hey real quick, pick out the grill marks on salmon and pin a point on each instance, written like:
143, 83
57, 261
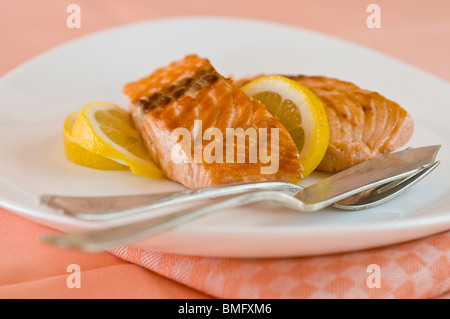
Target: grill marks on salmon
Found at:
189, 90
363, 124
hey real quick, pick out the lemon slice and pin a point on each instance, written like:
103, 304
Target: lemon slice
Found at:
81, 156
301, 113
107, 130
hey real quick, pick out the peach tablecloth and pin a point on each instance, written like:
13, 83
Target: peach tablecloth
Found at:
416, 32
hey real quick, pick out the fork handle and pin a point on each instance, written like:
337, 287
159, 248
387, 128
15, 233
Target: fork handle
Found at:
109, 207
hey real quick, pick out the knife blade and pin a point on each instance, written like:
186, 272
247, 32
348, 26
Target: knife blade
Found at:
367, 175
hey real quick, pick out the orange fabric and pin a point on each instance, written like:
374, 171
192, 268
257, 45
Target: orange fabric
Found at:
31, 269
413, 31
416, 32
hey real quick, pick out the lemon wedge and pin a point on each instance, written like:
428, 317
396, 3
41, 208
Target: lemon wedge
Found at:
81, 156
107, 130
301, 113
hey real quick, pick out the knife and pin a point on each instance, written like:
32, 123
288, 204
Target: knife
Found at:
361, 177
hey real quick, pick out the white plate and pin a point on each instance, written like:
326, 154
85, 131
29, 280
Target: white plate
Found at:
37, 96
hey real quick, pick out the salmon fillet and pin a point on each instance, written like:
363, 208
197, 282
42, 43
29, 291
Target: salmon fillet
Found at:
190, 95
363, 124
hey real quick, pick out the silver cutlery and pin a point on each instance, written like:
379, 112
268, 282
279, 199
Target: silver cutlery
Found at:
109, 207
394, 172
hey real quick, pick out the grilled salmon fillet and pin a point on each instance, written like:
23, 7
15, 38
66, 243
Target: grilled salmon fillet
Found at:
188, 92
363, 124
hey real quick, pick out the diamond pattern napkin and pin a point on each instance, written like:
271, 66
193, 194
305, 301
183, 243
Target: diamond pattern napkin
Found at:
416, 269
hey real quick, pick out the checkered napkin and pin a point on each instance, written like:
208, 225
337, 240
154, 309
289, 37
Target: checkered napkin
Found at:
416, 269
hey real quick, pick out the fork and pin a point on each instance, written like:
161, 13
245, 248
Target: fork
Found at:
103, 239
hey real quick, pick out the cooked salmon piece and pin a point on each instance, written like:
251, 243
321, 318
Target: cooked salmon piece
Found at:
363, 124
190, 96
